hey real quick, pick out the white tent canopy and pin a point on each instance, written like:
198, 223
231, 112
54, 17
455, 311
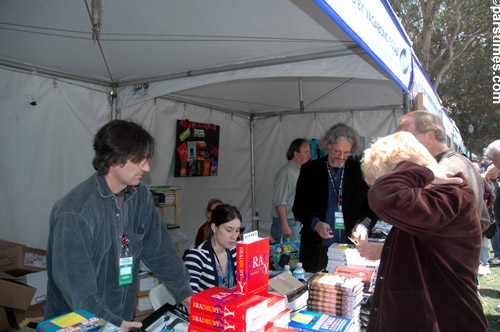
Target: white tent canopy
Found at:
243, 65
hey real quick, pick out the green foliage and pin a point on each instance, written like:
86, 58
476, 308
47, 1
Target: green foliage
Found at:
457, 60
490, 296
467, 93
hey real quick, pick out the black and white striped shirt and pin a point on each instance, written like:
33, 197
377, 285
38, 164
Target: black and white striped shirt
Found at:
201, 264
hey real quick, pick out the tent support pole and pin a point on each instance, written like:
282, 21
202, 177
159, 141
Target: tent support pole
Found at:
114, 114
406, 103
255, 214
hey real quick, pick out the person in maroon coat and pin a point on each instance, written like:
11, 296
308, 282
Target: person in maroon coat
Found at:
427, 275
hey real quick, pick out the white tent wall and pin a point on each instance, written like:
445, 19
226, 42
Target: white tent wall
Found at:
233, 184
46, 149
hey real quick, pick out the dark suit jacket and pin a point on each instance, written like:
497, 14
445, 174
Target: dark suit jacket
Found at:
311, 200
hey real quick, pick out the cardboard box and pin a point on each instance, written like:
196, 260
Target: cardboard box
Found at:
17, 259
14, 294
284, 283
37, 280
143, 306
145, 283
4, 323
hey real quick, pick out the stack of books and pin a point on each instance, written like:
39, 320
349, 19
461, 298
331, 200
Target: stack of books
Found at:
340, 254
335, 295
164, 194
248, 307
222, 309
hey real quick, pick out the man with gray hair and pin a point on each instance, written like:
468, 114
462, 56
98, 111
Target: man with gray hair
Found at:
429, 130
331, 198
492, 152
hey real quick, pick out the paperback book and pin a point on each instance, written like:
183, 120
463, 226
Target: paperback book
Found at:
312, 321
79, 320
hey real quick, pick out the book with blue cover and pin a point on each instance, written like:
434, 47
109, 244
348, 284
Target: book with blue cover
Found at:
312, 321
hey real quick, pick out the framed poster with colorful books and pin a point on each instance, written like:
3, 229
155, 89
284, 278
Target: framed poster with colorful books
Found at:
197, 149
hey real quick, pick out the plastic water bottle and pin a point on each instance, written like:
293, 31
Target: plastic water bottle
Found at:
287, 268
299, 272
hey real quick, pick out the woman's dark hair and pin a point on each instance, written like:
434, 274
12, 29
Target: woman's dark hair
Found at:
294, 147
221, 215
119, 141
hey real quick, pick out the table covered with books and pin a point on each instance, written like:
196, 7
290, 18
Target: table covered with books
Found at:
337, 299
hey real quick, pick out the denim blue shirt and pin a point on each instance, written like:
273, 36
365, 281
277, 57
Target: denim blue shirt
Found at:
86, 229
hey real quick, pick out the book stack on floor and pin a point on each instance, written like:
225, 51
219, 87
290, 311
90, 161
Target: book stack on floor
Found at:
248, 307
341, 254
336, 295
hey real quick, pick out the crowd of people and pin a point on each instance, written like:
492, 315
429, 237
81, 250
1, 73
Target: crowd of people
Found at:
440, 206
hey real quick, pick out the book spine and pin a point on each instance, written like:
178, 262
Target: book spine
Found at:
216, 322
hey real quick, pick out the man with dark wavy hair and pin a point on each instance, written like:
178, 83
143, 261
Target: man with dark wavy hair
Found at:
104, 227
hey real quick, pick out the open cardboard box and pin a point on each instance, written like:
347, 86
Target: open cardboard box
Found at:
14, 294
295, 291
284, 283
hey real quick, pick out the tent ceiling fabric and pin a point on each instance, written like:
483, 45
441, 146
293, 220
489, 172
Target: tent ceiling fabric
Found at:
319, 94
169, 40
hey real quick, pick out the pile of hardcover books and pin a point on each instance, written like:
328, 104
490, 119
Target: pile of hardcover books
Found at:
340, 254
247, 308
336, 295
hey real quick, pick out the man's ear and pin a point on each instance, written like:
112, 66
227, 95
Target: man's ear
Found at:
431, 135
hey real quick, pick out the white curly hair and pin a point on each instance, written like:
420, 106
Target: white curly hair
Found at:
387, 152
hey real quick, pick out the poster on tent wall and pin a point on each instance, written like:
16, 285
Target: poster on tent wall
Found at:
197, 146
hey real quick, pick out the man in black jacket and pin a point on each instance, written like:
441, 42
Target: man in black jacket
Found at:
331, 198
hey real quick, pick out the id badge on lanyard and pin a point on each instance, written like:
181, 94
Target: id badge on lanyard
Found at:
339, 219
126, 263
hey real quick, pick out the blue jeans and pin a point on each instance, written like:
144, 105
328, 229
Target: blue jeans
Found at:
295, 227
485, 251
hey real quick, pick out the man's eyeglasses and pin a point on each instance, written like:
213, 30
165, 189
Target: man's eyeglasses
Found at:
342, 153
